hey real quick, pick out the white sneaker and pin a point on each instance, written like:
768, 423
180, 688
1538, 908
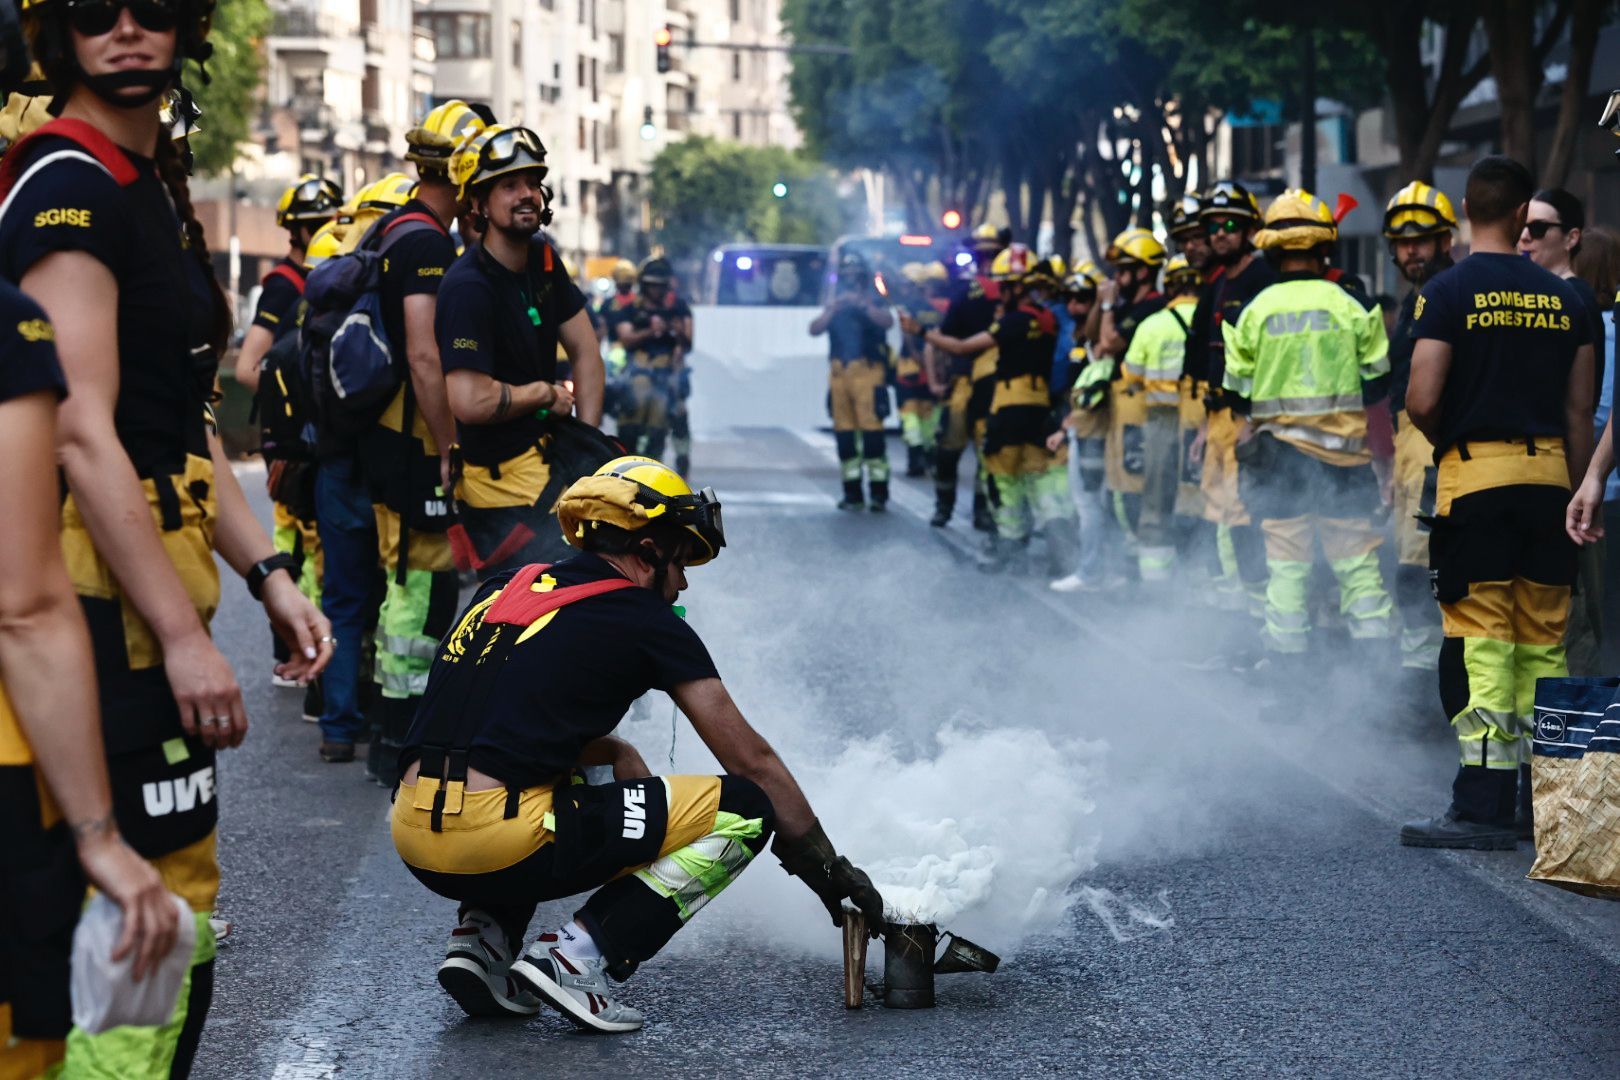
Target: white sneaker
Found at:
284, 683
576, 988
477, 971
1065, 584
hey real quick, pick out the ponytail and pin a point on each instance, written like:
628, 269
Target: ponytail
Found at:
172, 170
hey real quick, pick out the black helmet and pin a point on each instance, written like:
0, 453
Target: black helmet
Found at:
656, 271
850, 264
1228, 198
1184, 214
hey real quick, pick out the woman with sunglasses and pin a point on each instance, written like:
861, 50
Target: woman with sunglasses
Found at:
99, 220
1552, 239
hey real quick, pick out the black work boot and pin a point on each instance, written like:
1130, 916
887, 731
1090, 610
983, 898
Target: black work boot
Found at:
1524, 822
683, 464
1480, 817
916, 462
984, 519
879, 492
853, 499
944, 507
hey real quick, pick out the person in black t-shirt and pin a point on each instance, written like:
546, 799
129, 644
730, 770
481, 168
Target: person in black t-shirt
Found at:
1501, 384
303, 208
527, 689
53, 779
972, 308
405, 456
856, 322
507, 304
1031, 480
655, 330
1418, 224
99, 230
1231, 216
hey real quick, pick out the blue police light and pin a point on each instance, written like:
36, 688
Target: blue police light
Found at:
745, 262
964, 258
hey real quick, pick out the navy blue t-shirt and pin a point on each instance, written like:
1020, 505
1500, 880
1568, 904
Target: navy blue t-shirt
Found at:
572, 681
27, 348
1513, 329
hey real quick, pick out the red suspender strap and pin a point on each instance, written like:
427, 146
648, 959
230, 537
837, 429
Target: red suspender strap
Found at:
520, 605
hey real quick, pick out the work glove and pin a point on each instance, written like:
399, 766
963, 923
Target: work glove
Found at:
831, 876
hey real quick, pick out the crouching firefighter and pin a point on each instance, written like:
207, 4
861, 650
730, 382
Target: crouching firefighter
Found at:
504, 307
541, 666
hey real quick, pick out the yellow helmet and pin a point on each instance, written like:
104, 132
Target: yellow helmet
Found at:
1184, 214
432, 143
1012, 263
1296, 220
624, 272
496, 151
1179, 273
987, 238
1084, 280
311, 198
391, 192
631, 493
1418, 210
1049, 271
22, 115
327, 242
1136, 246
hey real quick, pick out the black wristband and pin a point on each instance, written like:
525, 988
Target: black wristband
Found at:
265, 567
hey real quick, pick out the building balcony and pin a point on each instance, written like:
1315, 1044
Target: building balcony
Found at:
304, 23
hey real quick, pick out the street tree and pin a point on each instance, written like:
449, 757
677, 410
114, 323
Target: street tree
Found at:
234, 74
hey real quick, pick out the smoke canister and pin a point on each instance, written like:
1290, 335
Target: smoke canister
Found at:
908, 965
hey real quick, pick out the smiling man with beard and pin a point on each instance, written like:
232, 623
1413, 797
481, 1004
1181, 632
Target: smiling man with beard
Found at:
504, 307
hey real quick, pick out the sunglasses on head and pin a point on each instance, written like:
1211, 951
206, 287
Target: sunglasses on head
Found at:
1224, 225
1538, 229
92, 18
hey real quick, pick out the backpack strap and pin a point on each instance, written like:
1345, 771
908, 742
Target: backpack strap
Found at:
287, 274
94, 147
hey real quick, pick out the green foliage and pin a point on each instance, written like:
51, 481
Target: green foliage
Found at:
234, 71
706, 192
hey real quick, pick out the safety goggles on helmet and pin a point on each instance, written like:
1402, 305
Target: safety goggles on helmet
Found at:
92, 18
699, 513
505, 146
1229, 226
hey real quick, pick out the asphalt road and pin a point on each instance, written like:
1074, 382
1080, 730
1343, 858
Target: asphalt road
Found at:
1278, 931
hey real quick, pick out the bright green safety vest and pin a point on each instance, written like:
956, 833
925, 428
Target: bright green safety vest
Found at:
1158, 351
1302, 349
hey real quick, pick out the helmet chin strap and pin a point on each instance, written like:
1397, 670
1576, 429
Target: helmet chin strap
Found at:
111, 86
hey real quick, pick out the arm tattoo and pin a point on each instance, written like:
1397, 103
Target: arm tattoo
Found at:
85, 829
505, 404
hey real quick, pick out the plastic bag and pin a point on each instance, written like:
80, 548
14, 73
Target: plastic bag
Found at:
104, 994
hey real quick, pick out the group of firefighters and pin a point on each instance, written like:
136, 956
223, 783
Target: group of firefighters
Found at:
430, 384
1245, 422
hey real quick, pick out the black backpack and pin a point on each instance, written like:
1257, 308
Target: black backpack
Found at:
284, 403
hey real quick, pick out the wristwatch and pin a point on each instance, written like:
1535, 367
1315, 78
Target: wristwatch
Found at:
265, 567
1109, 305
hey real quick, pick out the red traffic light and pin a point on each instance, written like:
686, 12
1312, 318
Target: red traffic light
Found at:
663, 37
951, 219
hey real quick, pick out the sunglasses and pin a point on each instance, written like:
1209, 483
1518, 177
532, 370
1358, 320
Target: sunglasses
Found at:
1224, 225
92, 18
505, 147
1539, 229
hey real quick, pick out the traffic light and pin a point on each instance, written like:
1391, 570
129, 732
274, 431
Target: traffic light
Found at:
951, 219
662, 39
649, 130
